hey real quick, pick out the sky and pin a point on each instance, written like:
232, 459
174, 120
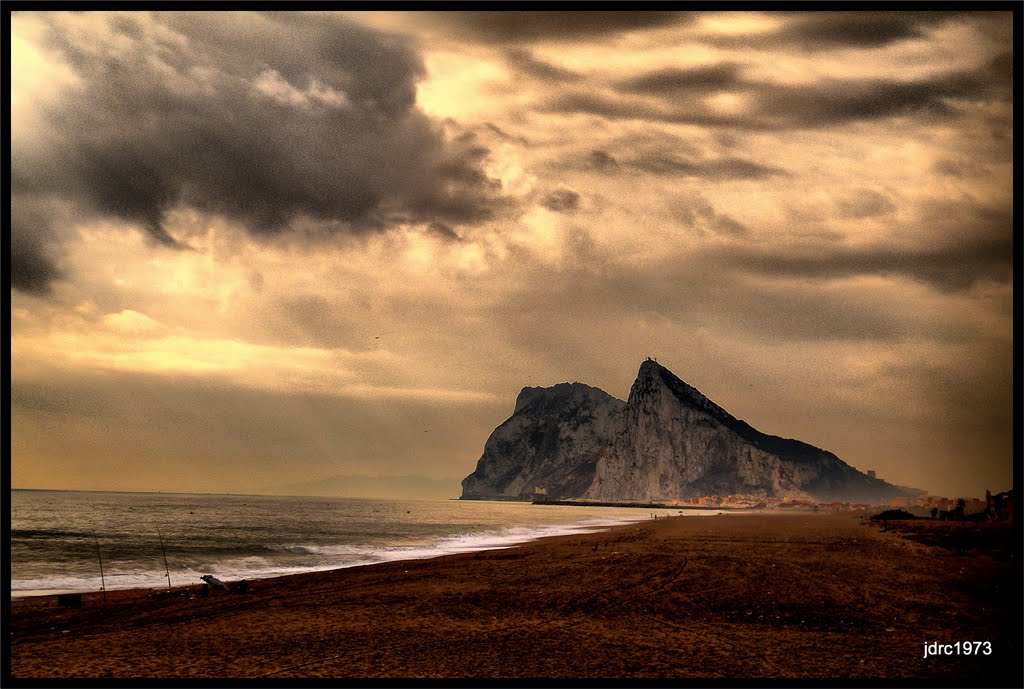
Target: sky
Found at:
321, 253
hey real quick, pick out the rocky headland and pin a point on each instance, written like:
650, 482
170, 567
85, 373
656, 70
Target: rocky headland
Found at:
666, 442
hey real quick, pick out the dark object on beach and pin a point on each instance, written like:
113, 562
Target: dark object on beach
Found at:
237, 587
164, 551
893, 514
214, 581
69, 600
99, 558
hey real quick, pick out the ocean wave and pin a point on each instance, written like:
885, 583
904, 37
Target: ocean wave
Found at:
309, 557
291, 542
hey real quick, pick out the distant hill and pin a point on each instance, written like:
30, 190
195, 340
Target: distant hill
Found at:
666, 442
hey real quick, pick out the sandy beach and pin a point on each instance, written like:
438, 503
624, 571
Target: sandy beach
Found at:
728, 596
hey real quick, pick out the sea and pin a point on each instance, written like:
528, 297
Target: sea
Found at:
77, 541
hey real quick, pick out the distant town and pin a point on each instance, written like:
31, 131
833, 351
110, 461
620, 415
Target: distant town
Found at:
998, 506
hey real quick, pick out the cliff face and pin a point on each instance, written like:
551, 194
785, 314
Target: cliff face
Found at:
668, 441
553, 440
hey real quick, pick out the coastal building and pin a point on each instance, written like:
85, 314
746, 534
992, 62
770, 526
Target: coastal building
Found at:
999, 506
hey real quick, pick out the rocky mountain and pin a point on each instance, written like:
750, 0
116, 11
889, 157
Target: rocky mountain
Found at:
666, 442
554, 438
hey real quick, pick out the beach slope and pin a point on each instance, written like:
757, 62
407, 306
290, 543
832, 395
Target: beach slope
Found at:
732, 595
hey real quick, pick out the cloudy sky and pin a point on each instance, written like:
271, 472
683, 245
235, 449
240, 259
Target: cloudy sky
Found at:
322, 253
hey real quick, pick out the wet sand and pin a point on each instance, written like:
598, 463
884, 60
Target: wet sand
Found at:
728, 596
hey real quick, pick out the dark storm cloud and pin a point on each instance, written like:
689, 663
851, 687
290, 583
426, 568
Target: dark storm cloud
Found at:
672, 81
660, 163
839, 101
723, 224
836, 30
973, 249
949, 268
32, 268
506, 27
264, 119
561, 201
670, 157
694, 211
960, 168
32, 262
602, 160
864, 203
443, 230
505, 136
1000, 70
524, 61
691, 209
606, 105
674, 96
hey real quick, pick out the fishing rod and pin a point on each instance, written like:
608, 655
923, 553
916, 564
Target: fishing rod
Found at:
103, 583
164, 551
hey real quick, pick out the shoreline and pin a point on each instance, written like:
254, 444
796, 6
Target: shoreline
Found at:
731, 595
573, 528
647, 505
174, 590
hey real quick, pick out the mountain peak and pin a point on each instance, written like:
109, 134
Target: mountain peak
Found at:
653, 374
558, 394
